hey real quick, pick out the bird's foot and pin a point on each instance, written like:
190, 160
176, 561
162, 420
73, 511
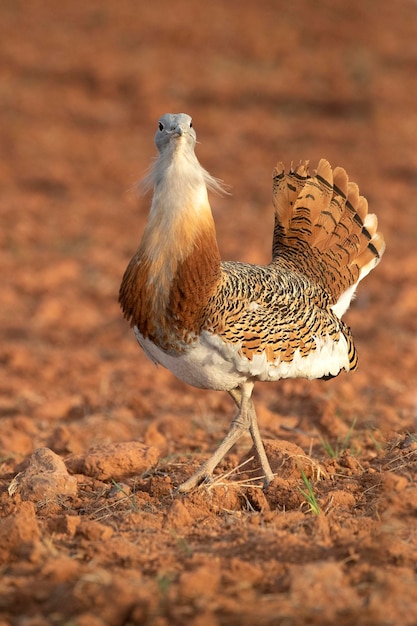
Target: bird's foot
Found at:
268, 478
201, 477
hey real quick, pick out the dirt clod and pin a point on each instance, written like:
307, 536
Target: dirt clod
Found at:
19, 533
114, 460
44, 478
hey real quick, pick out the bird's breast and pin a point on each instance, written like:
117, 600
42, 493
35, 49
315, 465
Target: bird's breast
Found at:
199, 364
166, 296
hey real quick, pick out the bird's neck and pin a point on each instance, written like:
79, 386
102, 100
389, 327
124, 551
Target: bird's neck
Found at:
180, 223
179, 213
178, 261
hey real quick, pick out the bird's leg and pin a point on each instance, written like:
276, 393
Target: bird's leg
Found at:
244, 421
240, 424
259, 446
256, 436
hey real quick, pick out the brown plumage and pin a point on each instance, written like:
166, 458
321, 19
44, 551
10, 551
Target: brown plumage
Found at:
226, 325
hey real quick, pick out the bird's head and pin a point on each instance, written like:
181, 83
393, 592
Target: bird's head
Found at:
175, 128
176, 164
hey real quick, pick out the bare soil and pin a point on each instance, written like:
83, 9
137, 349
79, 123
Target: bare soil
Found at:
94, 439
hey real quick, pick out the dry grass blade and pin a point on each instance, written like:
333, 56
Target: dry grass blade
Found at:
402, 460
221, 480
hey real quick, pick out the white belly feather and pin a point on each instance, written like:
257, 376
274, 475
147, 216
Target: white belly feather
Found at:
210, 363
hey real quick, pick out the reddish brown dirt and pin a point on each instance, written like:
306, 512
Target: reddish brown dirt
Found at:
91, 531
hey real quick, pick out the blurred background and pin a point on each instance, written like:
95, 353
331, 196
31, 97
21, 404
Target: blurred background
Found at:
82, 86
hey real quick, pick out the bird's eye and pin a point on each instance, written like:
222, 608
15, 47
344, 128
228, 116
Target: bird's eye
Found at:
191, 124
160, 126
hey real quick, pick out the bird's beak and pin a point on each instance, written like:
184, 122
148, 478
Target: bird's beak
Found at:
178, 131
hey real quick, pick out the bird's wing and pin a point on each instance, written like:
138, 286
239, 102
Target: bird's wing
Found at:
274, 312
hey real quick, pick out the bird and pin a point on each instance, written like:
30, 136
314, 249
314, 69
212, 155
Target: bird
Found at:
225, 325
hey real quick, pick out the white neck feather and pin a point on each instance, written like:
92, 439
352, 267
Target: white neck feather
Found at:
180, 214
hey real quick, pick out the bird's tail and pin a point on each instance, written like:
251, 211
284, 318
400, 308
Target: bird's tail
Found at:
323, 228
